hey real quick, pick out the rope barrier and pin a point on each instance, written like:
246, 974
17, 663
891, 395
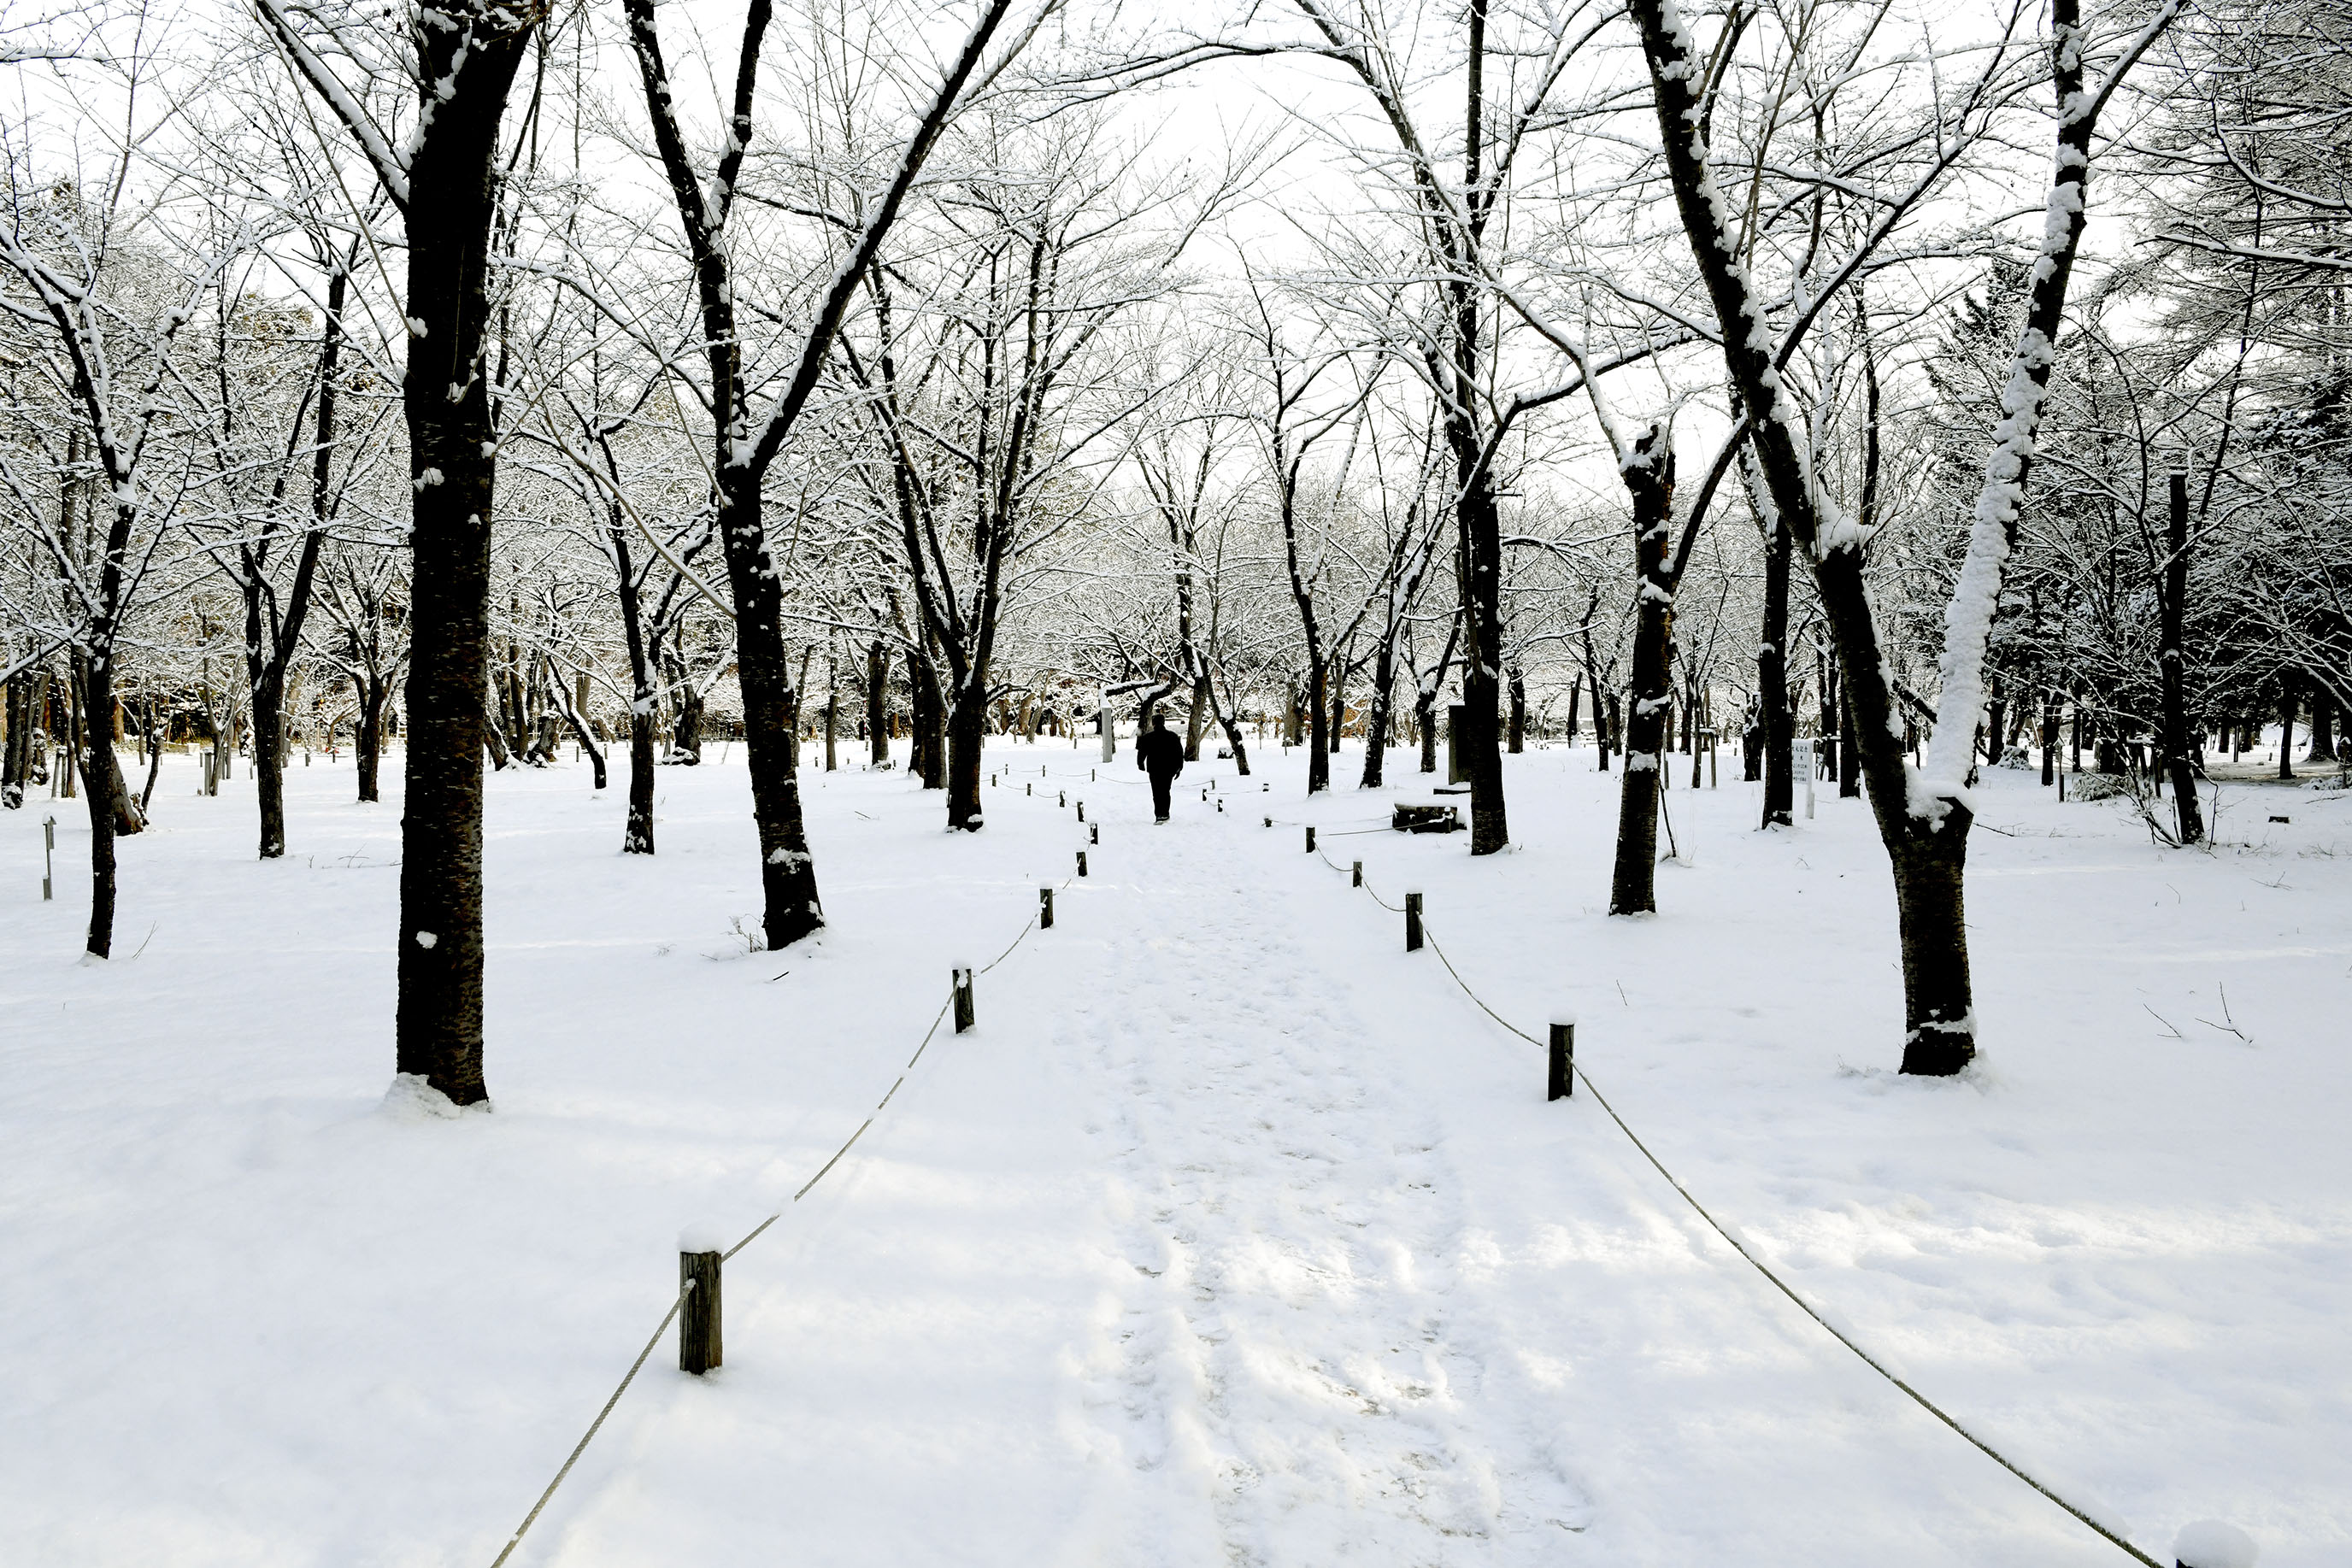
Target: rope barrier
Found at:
671, 1316
582, 1446
1430, 938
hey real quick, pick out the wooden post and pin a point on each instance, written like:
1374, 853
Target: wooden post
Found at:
1044, 909
1082, 862
1064, 801
961, 979
1412, 922
1562, 1082
1028, 788
1082, 810
1094, 832
1311, 839
1358, 879
1269, 822
48, 855
698, 1346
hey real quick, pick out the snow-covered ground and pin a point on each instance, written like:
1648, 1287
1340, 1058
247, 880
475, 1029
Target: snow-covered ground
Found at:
1232, 1235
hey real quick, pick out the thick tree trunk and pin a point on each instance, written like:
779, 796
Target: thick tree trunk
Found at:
269, 759
17, 758
637, 834
2322, 726
1319, 719
1518, 711
967, 732
770, 718
1650, 478
1196, 722
1482, 604
931, 725
104, 798
452, 178
1938, 1012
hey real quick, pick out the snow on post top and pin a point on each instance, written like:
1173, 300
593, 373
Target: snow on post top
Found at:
701, 1237
1566, 1015
2210, 1543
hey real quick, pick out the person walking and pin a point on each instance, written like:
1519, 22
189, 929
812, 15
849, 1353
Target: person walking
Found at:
1158, 753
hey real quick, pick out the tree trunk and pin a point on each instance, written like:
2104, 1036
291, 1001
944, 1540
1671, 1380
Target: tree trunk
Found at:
1650, 477
831, 716
637, 835
2188, 812
967, 732
368, 743
931, 725
17, 758
1319, 717
105, 798
2289, 704
1379, 716
770, 718
1482, 563
1196, 722
877, 704
1938, 1012
1518, 711
268, 755
2322, 726
1772, 680
1848, 756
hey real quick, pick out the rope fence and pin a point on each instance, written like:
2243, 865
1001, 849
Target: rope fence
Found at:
1726, 1232
1734, 1242
686, 1290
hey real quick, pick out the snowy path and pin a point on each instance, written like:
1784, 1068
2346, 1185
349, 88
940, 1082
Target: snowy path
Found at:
1233, 1235
1286, 1262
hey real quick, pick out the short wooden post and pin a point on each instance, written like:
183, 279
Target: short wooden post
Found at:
1044, 909
1094, 832
1028, 788
698, 1346
1412, 922
1269, 822
1090, 775
961, 979
1358, 879
1311, 839
1562, 1082
1082, 810
1082, 862
1063, 800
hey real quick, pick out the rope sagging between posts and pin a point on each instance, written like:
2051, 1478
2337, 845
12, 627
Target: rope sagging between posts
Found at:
1740, 1247
756, 1231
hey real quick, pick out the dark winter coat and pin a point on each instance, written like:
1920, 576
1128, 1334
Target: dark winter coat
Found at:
1158, 753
